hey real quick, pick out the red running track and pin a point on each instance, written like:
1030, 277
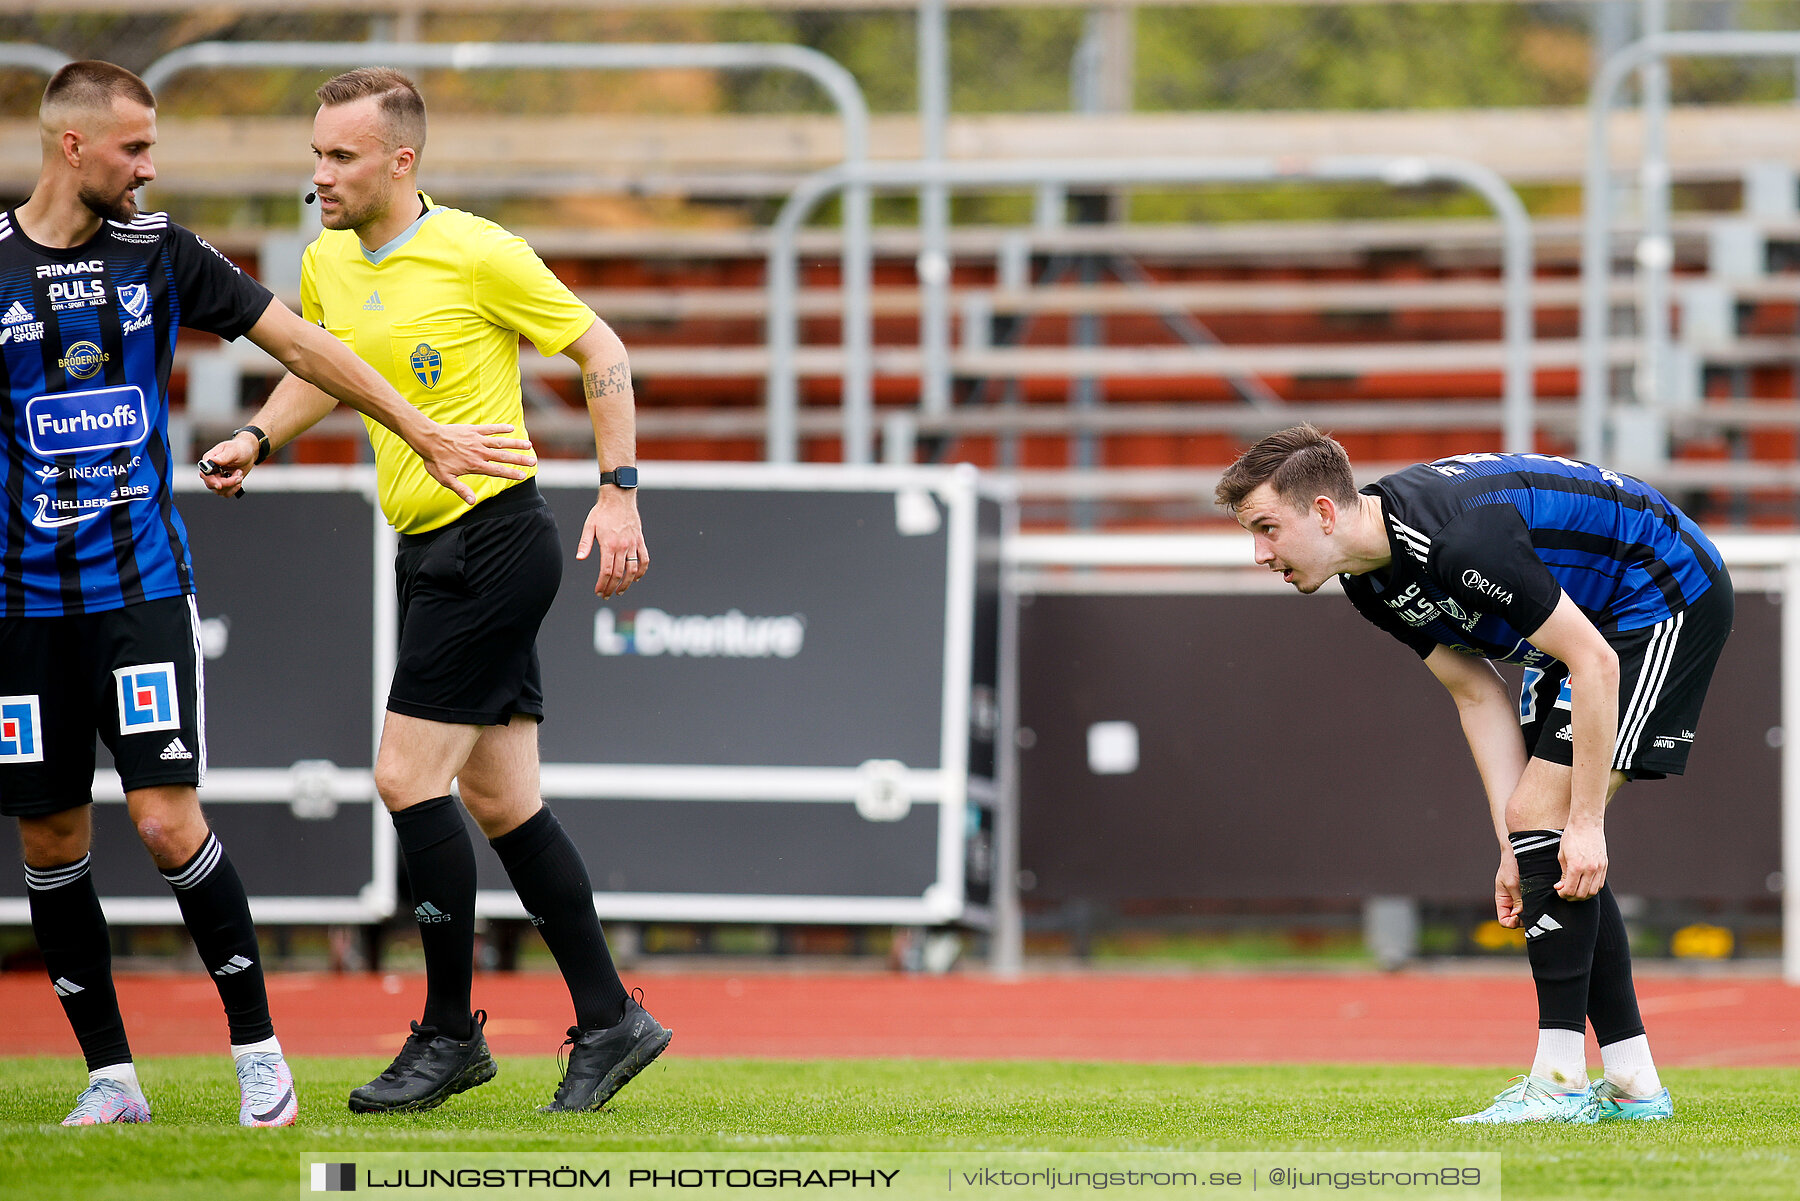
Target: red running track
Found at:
1102, 1016
1424, 1017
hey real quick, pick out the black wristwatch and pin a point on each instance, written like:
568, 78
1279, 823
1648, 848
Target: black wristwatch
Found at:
620, 477
262, 441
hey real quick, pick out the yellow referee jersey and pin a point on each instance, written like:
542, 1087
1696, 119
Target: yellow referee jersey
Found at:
438, 311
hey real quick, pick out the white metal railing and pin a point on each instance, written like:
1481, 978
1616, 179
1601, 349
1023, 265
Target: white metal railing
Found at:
860, 366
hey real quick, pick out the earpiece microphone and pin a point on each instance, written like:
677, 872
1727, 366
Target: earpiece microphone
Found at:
311, 197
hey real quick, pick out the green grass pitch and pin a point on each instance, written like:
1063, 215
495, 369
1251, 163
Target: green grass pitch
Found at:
1736, 1134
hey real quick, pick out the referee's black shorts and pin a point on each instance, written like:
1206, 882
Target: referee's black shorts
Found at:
1664, 671
472, 595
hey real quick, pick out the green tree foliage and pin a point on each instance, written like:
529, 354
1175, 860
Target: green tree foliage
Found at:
1358, 57
1249, 56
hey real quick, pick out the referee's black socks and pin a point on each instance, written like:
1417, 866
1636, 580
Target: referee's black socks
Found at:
217, 914
552, 883
440, 866
71, 935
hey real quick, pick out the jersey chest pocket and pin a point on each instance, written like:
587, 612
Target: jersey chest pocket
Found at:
433, 359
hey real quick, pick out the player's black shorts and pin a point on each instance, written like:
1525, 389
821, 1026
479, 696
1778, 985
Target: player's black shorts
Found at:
1664, 671
132, 675
472, 595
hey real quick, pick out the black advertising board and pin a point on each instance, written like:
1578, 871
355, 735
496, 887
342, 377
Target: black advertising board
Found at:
778, 723
1287, 750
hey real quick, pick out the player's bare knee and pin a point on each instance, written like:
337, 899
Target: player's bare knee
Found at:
162, 836
397, 787
497, 815
54, 840
171, 829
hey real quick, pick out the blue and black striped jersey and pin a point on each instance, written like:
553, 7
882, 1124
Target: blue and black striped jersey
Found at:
87, 342
1484, 546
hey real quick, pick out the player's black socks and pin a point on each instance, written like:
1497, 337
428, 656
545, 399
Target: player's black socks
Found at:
1612, 999
552, 882
440, 864
217, 914
71, 934
1559, 934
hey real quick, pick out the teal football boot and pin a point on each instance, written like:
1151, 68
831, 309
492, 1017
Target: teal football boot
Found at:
1528, 1099
1607, 1103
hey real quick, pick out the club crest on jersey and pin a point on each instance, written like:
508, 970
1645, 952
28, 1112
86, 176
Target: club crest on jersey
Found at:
147, 698
21, 733
134, 298
427, 364
83, 360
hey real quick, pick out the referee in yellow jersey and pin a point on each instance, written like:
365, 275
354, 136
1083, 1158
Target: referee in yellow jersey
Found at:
436, 299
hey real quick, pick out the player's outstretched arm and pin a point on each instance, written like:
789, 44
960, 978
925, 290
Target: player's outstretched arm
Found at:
612, 524
448, 451
1491, 725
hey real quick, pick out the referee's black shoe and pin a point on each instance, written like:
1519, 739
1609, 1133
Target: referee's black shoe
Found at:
601, 1062
429, 1070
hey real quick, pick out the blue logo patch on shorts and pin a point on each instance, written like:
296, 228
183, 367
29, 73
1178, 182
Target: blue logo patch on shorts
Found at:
427, 364
67, 423
1528, 695
147, 698
21, 732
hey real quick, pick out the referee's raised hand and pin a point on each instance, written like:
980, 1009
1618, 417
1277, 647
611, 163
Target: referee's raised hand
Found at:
449, 451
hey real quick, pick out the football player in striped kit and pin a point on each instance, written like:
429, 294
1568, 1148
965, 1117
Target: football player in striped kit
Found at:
98, 629
1617, 606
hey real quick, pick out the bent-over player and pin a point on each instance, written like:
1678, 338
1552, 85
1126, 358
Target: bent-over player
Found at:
1616, 605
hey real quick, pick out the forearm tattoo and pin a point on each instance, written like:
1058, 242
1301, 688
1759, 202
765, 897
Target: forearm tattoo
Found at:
615, 379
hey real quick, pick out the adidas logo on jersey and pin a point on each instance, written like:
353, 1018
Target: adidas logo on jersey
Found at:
234, 965
20, 324
373, 303
177, 750
1544, 925
66, 987
428, 912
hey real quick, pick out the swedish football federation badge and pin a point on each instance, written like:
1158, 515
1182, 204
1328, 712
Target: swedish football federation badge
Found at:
427, 364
